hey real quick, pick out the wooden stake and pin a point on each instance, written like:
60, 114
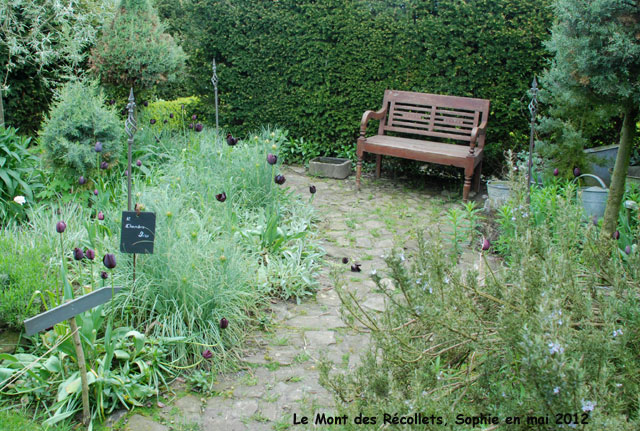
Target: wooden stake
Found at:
86, 413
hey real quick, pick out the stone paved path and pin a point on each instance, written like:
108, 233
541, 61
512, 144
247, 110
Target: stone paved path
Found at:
361, 226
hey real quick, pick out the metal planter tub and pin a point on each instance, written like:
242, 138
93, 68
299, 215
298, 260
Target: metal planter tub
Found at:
499, 192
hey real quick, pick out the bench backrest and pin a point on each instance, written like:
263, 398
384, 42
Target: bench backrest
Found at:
433, 115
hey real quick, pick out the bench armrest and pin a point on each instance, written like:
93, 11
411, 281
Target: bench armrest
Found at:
376, 115
478, 133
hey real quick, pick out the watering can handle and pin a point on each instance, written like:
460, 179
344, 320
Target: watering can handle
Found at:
592, 176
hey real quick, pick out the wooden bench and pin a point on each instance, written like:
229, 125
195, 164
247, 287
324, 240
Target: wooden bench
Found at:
428, 127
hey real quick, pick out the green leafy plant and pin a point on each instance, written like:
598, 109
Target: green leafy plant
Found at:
134, 51
549, 333
76, 123
17, 175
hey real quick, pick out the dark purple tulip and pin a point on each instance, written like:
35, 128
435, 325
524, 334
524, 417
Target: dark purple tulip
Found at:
221, 197
165, 121
224, 323
78, 254
356, 267
272, 159
191, 125
345, 260
82, 180
100, 215
171, 115
485, 244
138, 162
194, 117
112, 102
109, 260
61, 226
312, 190
126, 172
95, 192
152, 121
231, 140
627, 250
207, 354
279, 179
576, 172
104, 275
145, 103
104, 165
616, 235
556, 172
98, 147
198, 127
90, 254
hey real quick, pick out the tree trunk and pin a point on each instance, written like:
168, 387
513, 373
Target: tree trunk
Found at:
616, 190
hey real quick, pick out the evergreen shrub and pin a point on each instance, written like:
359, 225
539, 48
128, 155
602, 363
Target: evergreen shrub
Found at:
78, 120
315, 67
551, 332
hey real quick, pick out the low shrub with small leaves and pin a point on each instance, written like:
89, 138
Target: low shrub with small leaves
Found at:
552, 334
79, 120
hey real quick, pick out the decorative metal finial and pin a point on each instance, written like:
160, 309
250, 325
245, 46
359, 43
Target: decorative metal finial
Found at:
533, 108
214, 78
533, 105
131, 125
214, 81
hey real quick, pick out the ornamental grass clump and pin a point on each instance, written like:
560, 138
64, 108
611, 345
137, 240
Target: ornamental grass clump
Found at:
209, 267
549, 332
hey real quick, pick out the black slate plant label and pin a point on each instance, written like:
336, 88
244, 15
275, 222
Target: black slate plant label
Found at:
138, 232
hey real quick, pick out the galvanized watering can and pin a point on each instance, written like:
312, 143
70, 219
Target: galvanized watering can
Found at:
594, 198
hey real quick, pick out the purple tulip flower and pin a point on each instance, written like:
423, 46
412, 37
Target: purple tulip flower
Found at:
312, 190
104, 165
356, 267
138, 162
207, 354
279, 179
100, 215
104, 275
556, 172
61, 226
171, 115
78, 254
345, 260
194, 117
272, 159
627, 250
152, 121
198, 127
109, 260
485, 244
224, 323
90, 253
616, 235
576, 172
95, 192
221, 197
82, 180
98, 147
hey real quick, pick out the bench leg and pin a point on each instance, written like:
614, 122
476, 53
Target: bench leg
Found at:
378, 164
476, 178
468, 174
358, 172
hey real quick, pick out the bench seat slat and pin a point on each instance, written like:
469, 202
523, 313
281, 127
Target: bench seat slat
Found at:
435, 134
391, 145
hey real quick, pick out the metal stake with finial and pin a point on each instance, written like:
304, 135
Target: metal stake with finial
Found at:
130, 126
533, 108
214, 81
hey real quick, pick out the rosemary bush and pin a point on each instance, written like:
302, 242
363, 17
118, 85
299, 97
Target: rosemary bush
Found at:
555, 331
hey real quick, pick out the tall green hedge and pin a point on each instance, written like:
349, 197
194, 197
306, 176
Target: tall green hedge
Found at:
315, 66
